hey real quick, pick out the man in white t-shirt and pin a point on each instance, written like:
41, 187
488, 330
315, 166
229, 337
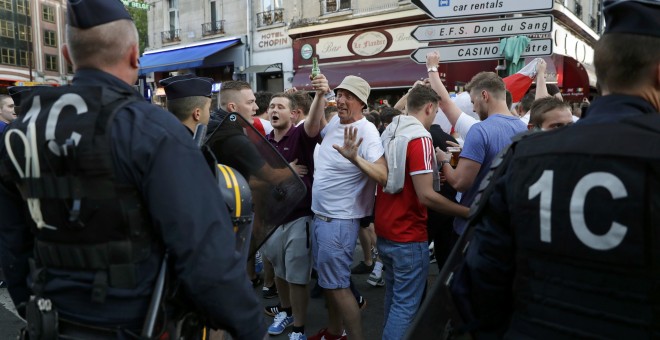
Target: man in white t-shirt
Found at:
342, 194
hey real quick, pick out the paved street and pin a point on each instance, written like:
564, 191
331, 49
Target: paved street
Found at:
372, 315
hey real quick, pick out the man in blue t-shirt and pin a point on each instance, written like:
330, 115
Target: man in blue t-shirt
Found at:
484, 140
7, 113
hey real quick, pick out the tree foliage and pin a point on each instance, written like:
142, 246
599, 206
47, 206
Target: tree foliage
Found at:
140, 17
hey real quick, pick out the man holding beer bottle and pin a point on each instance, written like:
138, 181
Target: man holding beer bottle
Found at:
288, 248
343, 193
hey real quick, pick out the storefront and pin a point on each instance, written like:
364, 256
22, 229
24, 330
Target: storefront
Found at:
380, 55
220, 59
272, 62
577, 78
380, 52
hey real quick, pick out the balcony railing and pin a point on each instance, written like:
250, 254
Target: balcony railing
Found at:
578, 10
593, 23
213, 28
332, 6
270, 17
170, 36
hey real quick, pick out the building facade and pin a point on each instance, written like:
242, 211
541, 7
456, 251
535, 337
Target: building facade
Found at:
224, 40
31, 37
271, 43
372, 39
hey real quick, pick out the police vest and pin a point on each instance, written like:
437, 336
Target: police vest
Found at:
585, 214
61, 158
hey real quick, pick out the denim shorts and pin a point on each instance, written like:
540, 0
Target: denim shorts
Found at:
333, 242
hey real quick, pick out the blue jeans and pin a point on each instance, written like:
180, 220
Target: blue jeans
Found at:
405, 268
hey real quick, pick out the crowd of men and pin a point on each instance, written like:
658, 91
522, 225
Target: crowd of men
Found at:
100, 199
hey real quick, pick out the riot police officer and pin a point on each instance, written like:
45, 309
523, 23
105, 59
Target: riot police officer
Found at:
566, 238
112, 183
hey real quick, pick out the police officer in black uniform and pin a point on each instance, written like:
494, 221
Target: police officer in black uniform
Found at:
17, 93
112, 183
189, 99
566, 242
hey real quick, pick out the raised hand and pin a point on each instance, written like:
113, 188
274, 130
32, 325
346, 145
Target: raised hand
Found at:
351, 144
320, 84
432, 59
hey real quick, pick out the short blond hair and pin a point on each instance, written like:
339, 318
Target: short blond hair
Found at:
488, 81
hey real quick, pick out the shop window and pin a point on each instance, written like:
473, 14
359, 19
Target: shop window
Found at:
50, 38
7, 29
8, 56
48, 13
51, 62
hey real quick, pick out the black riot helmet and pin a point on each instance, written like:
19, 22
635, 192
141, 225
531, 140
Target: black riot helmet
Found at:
238, 198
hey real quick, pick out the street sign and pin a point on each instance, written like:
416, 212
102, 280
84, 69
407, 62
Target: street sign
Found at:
479, 51
482, 29
443, 9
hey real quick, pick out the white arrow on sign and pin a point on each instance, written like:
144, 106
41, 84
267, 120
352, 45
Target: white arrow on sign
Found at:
442, 9
485, 28
479, 51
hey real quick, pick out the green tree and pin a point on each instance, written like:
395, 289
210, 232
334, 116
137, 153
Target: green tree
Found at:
139, 15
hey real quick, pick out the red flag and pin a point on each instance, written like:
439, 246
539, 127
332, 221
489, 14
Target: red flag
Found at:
518, 84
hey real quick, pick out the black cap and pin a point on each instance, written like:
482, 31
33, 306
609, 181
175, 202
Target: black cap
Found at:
641, 17
187, 85
89, 13
18, 92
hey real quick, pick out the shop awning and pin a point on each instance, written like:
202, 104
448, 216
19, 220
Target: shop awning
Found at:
263, 68
390, 73
181, 58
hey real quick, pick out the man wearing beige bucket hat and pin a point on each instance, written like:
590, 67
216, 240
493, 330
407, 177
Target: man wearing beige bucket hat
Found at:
343, 193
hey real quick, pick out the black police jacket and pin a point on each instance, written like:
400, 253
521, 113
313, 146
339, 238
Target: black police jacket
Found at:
566, 245
152, 152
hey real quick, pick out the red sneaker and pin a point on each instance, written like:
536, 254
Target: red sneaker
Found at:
324, 335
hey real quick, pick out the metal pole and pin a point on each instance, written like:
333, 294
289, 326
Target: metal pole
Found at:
28, 21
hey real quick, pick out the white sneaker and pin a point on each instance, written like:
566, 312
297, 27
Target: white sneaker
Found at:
297, 336
280, 323
376, 280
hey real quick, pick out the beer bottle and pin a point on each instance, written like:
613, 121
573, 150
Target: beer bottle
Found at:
330, 96
315, 69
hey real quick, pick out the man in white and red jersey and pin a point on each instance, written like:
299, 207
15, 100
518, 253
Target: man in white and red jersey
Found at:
401, 209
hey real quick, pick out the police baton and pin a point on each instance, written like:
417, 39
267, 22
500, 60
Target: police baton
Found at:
156, 297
